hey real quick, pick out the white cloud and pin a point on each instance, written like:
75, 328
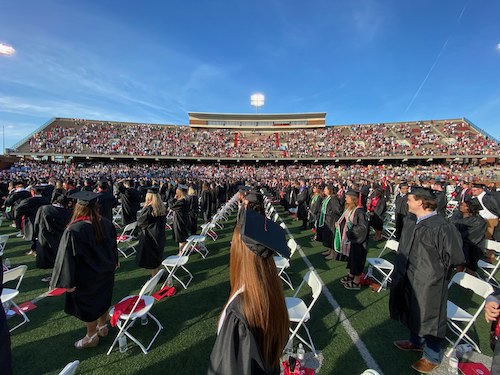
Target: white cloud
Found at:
6, 50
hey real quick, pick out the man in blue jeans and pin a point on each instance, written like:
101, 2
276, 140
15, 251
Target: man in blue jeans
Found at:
428, 249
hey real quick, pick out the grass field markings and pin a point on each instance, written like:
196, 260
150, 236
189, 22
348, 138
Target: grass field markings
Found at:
351, 332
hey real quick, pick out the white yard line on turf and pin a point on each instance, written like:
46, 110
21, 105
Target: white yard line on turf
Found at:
360, 345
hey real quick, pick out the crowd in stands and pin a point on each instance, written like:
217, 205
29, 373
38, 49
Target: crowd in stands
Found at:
373, 140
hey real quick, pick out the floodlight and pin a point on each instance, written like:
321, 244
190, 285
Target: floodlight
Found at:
257, 100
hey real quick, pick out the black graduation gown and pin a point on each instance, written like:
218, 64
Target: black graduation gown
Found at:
491, 200
419, 288
473, 230
5, 353
50, 222
131, 203
236, 350
193, 213
400, 211
332, 215
206, 205
302, 204
29, 207
106, 202
89, 267
181, 224
376, 220
151, 239
357, 235
441, 202
315, 209
12, 201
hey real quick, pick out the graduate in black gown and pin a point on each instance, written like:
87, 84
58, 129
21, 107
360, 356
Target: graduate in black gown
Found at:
401, 209
193, 209
206, 202
85, 266
106, 200
131, 202
253, 327
472, 228
355, 227
328, 215
151, 223
50, 223
28, 208
181, 224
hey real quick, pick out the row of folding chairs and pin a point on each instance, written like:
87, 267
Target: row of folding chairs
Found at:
299, 312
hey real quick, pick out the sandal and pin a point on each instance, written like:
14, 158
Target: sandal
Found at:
346, 279
326, 252
330, 257
91, 342
351, 285
102, 331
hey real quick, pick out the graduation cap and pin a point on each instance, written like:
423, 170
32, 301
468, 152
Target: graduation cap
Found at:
182, 187
473, 202
38, 189
153, 189
244, 189
423, 192
355, 194
403, 184
254, 196
85, 198
263, 236
103, 184
478, 185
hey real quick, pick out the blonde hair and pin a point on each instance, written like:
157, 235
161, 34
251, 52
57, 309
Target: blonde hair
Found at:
263, 300
179, 194
158, 206
191, 191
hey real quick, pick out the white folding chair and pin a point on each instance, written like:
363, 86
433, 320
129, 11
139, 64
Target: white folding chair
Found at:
283, 225
490, 269
126, 242
456, 314
299, 312
198, 245
383, 266
388, 231
70, 368
127, 321
173, 262
283, 263
451, 207
8, 294
3, 242
117, 216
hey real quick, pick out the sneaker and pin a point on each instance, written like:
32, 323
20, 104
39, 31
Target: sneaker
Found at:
47, 279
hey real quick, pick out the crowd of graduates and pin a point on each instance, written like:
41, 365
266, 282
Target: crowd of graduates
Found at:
64, 219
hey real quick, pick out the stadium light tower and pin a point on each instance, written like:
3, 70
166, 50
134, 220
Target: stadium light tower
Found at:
257, 100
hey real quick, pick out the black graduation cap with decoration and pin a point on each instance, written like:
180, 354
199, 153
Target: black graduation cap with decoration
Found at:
263, 236
85, 198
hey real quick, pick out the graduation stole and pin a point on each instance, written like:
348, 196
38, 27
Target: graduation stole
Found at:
314, 199
80, 218
345, 245
323, 211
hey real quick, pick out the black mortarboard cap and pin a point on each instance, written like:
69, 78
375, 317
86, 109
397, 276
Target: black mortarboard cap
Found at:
478, 185
39, 189
353, 193
423, 192
85, 198
103, 184
153, 189
263, 236
403, 184
254, 197
244, 189
473, 203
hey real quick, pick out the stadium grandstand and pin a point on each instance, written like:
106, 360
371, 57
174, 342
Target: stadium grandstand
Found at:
286, 138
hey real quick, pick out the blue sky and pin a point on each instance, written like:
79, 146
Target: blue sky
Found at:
362, 61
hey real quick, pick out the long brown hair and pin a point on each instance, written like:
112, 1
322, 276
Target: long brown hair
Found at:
94, 217
263, 300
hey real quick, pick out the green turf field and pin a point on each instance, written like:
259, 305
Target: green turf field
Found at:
45, 344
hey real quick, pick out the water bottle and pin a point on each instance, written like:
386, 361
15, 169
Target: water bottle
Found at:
169, 281
289, 349
122, 343
6, 262
300, 352
144, 320
453, 361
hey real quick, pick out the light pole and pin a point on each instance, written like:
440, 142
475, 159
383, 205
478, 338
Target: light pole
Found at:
257, 100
